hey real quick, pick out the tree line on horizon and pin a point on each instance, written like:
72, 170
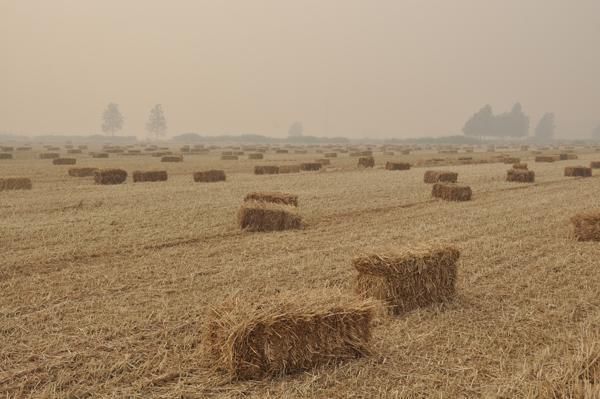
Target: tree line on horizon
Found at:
112, 120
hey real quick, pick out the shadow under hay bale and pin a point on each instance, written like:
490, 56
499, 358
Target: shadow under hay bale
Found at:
6, 156
256, 156
578, 171
64, 161
150, 176
275, 198
310, 166
586, 226
288, 333
520, 175
451, 192
15, 183
209, 176
408, 279
110, 176
171, 159
261, 216
397, 166
366, 162
440, 176
289, 169
82, 172
266, 170
520, 166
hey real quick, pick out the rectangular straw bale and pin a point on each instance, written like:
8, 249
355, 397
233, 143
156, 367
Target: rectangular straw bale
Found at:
170, 158
64, 161
15, 183
100, 155
366, 162
586, 226
397, 165
520, 175
4, 155
110, 176
266, 170
436, 176
49, 155
288, 333
82, 172
310, 166
545, 158
209, 176
74, 151
578, 171
150, 176
256, 155
331, 155
408, 279
289, 168
595, 164
262, 216
276, 198
451, 192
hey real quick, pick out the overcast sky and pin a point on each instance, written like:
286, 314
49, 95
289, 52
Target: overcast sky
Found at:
358, 68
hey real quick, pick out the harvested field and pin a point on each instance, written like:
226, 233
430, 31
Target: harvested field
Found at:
149, 176
273, 197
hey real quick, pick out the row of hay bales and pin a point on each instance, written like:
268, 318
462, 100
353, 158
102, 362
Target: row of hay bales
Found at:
281, 169
119, 176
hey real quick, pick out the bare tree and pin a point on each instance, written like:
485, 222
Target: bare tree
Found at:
545, 127
296, 130
157, 124
112, 120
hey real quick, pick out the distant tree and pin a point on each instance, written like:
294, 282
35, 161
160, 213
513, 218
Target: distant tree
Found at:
112, 120
157, 124
545, 127
296, 130
508, 124
481, 123
596, 132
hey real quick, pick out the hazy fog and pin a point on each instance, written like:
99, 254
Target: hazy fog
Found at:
357, 68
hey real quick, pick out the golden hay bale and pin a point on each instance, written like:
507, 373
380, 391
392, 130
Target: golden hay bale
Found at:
49, 155
261, 216
257, 155
82, 172
586, 226
567, 156
288, 333
209, 176
595, 164
578, 171
171, 159
324, 161
397, 166
6, 156
520, 175
451, 192
276, 198
545, 158
100, 155
436, 176
310, 166
520, 165
289, 168
110, 176
366, 162
64, 161
408, 279
15, 183
266, 170
331, 155
150, 176
509, 160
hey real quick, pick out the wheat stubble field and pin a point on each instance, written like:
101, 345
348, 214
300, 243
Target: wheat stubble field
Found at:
105, 290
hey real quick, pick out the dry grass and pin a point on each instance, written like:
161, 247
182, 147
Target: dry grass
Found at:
273, 197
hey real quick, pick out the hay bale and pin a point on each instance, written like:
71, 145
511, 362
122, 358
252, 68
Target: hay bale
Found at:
110, 176
287, 333
281, 151
331, 155
256, 155
82, 172
5, 148
64, 161
408, 279
451, 192
397, 166
74, 151
24, 148
545, 158
324, 161
310, 166
366, 162
520, 165
49, 155
171, 159
511, 160
266, 170
6, 156
520, 175
209, 176
100, 155
15, 183
275, 198
289, 168
586, 226
578, 171
261, 216
149, 176
436, 176
595, 164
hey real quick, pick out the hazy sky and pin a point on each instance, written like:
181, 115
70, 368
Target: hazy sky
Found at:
359, 68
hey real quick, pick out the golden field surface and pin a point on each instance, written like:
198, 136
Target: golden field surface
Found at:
105, 290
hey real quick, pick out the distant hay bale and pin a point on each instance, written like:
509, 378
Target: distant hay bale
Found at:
289, 168
578, 171
281, 151
266, 170
288, 333
209, 176
310, 166
586, 226
366, 162
100, 155
257, 155
150, 176
331, 155
261, 216
437, 176
595, 164
451, 192
110, 176
511, 160
15, 183
5, 148
567, 156
324, 161
169, 158
49, 155
64, 161
397, 166
82, 172
4, 155
408, 279
74, 151
545, 158
520, 165
272, 197
24, 148
520, 175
